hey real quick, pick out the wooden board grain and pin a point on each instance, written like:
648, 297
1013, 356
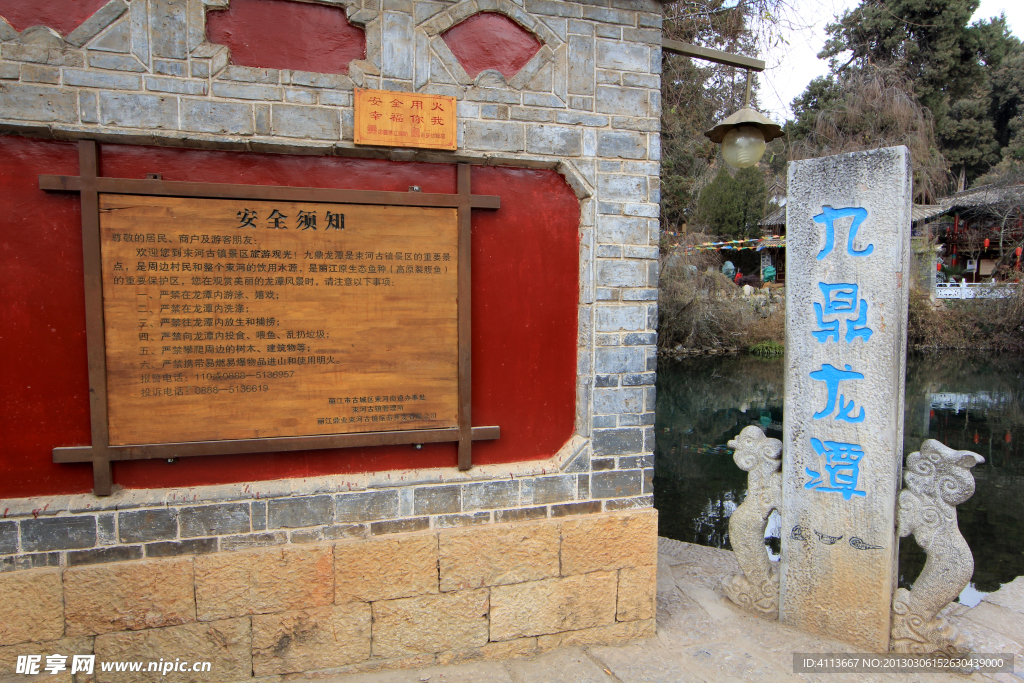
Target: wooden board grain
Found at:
210, 335
401, 119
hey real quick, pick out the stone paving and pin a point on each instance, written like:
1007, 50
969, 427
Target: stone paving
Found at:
704, 638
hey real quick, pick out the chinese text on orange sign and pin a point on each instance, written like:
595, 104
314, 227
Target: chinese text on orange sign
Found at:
400, 119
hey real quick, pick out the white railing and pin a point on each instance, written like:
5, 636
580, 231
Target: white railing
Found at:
980, 290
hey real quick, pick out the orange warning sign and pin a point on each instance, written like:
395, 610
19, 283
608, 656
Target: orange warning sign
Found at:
401, 119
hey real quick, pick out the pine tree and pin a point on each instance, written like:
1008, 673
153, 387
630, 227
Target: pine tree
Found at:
949, 63
732, 206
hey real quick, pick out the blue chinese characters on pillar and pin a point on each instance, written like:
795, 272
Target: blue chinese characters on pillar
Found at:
828, 216
842, 468
841, 302
832, 376
841, 299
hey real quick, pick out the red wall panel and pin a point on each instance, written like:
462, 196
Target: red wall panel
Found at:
525, 297
489, 40
277, 34
64, 16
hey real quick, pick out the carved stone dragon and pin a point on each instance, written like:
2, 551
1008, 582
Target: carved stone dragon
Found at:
937, 479
756, 588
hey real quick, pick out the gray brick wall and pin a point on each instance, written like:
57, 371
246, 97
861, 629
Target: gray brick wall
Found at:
588, 105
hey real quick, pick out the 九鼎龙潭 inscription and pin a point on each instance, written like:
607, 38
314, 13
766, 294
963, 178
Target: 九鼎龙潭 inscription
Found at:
237, 319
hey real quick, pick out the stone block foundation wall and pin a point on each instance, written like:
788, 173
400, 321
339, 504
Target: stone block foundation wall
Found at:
410, 599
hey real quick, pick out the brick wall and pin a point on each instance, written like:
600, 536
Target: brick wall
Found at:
587, 104
258, 576
410, 600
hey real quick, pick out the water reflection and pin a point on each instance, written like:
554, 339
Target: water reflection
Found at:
970, 403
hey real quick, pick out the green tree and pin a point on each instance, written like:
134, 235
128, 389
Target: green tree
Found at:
720, 209
752, 195
948, 62
732, 206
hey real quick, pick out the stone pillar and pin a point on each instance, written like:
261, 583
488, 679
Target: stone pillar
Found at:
848, 267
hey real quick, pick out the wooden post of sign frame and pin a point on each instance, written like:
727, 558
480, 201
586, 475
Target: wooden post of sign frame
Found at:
89, 184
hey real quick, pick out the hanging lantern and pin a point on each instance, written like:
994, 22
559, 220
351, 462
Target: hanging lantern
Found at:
976, 438
1017, 252
1008, 438
931, 415
938, 267
744, 134
986, 243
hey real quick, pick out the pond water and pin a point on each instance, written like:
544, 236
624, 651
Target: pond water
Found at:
967, 402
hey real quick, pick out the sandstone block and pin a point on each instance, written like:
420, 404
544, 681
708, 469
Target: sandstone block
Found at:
618, 441
378, 665
623, 56
430, 623
600, 635
38, 103
619, 483
618, 401
134, 110
206, 116
366, 505
624, 101
509, 649
260, 581
547, 490
295, 121
306, 640
637, 592
494, 136
609, 542
498, 555
224, 644
65, 646
491, 494
155, 524
128, 596
385, 568
560, 140
581, 64
621, 273
8, 538
621, 318
32, 608
552, 605
57, 533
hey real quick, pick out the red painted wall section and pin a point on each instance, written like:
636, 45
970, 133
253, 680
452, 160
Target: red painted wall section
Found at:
525, 298
277, 34
491, 41
64, 16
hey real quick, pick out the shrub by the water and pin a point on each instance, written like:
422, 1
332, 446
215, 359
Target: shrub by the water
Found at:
768, 349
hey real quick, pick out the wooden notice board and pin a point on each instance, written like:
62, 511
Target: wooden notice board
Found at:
401, 119
240, 319
247, 318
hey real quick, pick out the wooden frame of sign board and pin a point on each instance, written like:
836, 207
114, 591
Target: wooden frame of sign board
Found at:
102, 452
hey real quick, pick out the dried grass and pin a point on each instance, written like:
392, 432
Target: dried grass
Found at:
701, 310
